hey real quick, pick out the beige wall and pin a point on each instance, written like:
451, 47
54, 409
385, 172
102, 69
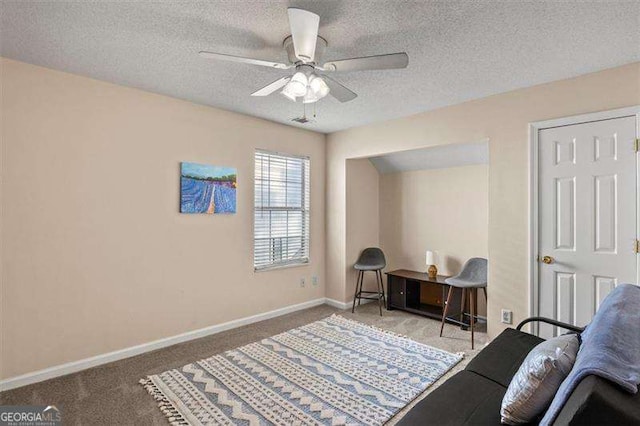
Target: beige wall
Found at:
503, 120
363, 222
443, 209
92, 239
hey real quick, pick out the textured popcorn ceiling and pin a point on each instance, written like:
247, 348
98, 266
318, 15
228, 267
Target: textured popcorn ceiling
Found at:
457, 50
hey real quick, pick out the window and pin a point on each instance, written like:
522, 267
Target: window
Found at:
281, 215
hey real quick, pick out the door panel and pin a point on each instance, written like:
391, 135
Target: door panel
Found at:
565, 213
605, 214
603, 286
587, 217
565, 290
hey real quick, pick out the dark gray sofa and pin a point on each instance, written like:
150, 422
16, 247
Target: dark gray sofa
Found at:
473, 396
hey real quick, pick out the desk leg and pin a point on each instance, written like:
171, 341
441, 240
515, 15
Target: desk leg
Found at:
384, 299
390, 288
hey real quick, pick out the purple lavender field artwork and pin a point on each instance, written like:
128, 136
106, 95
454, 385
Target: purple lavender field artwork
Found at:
207, 189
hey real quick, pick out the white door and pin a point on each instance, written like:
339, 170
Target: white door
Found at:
587, 217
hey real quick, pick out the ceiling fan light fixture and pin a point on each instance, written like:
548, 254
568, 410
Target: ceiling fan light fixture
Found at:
305, 48
310, 97
286, 92
297, 86
318, 87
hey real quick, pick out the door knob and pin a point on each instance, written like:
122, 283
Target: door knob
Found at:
548, 260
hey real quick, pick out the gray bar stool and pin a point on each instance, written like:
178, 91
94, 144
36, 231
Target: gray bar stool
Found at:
472, 277
371, 259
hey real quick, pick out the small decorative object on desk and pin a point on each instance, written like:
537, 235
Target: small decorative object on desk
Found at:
432, 259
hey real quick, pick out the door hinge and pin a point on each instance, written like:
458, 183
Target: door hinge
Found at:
636, 145
637, 246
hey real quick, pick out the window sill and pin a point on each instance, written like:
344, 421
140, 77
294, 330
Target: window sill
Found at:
276, 267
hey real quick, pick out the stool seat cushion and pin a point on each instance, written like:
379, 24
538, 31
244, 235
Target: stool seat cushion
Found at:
371, 259
473, 274
369, 266
462, 283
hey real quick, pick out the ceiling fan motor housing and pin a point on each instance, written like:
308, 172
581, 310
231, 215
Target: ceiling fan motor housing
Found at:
306, 69
321, 45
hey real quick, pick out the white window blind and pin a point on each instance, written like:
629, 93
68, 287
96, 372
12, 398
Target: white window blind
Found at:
281, 216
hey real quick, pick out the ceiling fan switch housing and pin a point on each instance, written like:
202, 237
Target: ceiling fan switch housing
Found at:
321, 45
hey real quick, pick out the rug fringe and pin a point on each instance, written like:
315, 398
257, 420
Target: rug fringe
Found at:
167, 407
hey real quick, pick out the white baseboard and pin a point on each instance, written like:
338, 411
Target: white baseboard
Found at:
337, 304
345, 305
83, 364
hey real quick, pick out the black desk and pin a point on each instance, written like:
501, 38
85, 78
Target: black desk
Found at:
420, 294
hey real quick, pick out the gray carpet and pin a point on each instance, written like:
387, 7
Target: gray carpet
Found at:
110, 394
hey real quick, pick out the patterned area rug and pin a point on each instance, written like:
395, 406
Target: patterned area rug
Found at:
331, 372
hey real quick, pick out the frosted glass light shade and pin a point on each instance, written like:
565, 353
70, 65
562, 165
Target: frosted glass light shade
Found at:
310, 97
297, 86
318, 86
310, 89
287, 93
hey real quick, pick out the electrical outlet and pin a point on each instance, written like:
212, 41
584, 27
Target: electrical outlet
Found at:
302, 282
506, 316
314, 280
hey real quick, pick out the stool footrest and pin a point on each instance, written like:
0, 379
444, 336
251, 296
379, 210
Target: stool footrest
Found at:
370, 298
378, 295
462, 323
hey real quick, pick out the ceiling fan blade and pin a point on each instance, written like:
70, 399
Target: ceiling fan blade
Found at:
338, 91
231, 58
304, 32
378, 62
272, 87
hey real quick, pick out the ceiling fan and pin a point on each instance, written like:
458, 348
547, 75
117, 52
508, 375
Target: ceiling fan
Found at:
304, 50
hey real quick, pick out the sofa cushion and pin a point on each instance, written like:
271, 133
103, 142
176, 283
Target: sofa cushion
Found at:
464, 399
499, 360
597, 401
538, 379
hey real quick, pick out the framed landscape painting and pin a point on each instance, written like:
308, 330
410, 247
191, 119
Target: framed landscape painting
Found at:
207, 189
